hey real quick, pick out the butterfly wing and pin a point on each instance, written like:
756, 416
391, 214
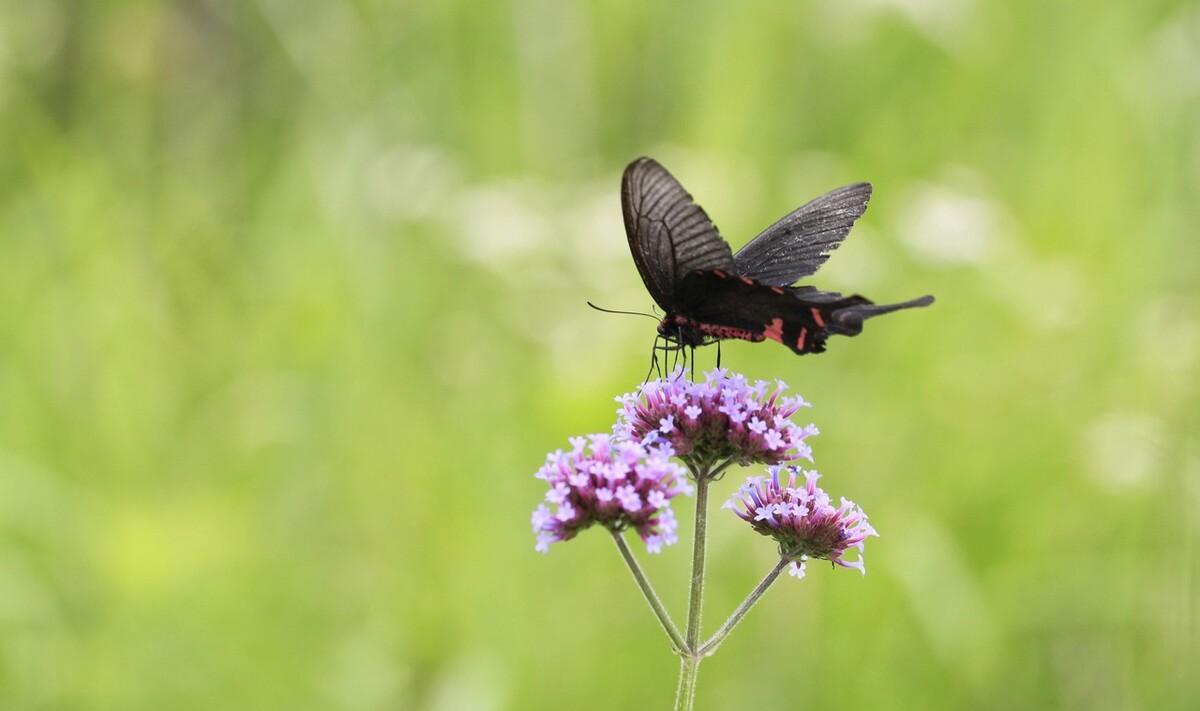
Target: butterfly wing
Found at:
669, 235
800, 242
729, 306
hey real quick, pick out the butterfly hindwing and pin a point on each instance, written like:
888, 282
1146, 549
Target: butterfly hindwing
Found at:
669, 235
800, 242
724, 305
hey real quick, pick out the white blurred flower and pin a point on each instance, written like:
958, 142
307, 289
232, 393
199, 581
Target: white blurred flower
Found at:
410, 181
947, 225
501, 222
948, 23
1049, 294
1122, 450
1165, 73
1168, 337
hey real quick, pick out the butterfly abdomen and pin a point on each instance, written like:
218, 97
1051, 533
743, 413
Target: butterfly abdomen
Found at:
717, 331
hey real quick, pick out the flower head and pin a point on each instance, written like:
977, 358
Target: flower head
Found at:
616, 484
802, 519
725, 417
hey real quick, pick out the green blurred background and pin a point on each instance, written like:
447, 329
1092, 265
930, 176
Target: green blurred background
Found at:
292, 306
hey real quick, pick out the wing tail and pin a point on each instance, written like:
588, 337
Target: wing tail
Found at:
723, 305
848, 320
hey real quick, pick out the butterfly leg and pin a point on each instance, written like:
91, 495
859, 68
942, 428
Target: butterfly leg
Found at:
718, 354
683, 356
653, 360
665, 349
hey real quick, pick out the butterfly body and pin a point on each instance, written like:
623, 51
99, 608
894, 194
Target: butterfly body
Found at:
710, 294
689, 332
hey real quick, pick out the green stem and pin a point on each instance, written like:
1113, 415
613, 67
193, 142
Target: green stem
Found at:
685, 695
720, 469
696, 599
660, 611
711, 645
689, 668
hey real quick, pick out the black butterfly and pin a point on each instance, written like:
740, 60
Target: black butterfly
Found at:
709, 293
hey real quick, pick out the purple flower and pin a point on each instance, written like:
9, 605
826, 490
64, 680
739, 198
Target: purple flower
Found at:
802, 519
722, 418
616, 484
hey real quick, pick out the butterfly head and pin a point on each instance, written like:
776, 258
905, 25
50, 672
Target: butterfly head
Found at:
678, 330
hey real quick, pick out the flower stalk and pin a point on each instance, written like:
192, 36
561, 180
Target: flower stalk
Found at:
660, 611
685, 693
689, 667
769, 579
699, 546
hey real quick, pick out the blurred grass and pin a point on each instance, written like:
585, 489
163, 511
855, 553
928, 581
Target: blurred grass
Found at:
291, 307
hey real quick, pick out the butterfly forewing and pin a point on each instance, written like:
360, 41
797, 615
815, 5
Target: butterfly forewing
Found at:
670, 236
799, 243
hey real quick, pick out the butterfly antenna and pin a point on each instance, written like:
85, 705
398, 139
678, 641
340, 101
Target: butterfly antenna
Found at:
626, 313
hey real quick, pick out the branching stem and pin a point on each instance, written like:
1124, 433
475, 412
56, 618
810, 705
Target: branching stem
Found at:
656, 605
711, 645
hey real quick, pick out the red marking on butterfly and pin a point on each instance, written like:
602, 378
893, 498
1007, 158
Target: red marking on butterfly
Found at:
816, 313
775, 330
800, 340
720, 331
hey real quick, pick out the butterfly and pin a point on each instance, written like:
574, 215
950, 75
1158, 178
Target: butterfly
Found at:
708, 293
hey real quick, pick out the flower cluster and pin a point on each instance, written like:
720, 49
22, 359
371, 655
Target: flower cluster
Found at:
802, 519
617, 484
723, 418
